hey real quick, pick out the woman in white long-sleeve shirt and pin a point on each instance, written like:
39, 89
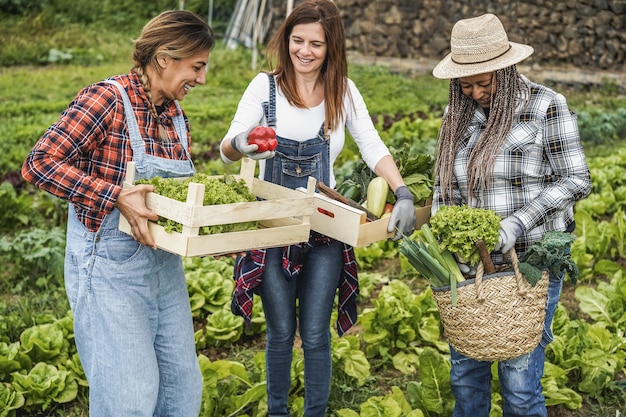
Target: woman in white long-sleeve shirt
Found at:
309, 101
301, 124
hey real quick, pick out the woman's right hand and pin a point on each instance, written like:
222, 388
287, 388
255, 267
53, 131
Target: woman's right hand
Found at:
240, 144
132, 205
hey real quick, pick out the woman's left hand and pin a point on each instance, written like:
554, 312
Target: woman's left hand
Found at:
402, 218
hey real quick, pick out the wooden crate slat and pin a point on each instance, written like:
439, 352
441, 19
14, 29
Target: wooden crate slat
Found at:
350, 225
169, 208
284, 216
235, 242
254, 211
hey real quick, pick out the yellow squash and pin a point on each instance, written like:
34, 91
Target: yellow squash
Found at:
377, 191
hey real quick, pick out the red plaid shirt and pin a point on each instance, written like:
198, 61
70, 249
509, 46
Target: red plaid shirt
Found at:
82, 157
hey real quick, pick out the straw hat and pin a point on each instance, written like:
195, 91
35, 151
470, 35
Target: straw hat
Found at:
479, 45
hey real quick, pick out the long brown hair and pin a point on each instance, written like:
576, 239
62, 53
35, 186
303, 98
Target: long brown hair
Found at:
507, 88
334, 71
176, 34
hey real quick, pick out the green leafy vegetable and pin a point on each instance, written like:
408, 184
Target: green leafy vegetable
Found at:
551, 253
348, 354
433, 391
458, 228
209, 291
12, 359
10, 400
607, 303
209, 282
416, 170
227, 389
400, 319
421, 186
393, 404
45, 343
222, 329
223, 190
45, 384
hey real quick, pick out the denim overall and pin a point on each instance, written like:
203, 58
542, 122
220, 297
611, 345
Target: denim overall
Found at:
132, 321
315, 286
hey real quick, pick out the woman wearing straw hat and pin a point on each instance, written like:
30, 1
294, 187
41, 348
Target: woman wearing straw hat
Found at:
512, 146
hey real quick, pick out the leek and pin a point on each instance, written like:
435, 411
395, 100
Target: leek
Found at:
437, 265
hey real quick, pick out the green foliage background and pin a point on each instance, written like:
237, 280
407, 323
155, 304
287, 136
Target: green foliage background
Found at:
49, 50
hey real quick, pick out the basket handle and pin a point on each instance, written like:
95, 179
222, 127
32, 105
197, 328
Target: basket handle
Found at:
519, 278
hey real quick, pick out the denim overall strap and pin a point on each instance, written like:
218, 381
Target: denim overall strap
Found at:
269, 108
133, 127
295, 161
148, 166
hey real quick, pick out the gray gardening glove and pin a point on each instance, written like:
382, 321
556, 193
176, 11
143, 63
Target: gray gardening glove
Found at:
402, 218
240, 144
510, 229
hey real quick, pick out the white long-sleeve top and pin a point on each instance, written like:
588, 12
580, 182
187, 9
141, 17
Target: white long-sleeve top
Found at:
301, 124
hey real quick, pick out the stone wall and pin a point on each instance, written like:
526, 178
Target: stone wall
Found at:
588, 34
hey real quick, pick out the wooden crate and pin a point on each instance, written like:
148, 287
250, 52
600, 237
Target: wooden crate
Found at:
350, 225
284, 217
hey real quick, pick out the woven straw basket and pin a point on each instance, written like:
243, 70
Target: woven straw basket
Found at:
498, 316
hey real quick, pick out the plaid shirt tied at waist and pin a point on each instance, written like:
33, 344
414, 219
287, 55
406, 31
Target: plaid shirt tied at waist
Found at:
249, 270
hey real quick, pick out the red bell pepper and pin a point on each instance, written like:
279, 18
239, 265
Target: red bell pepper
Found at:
263, 136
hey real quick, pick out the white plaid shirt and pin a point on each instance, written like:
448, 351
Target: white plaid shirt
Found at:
538, 175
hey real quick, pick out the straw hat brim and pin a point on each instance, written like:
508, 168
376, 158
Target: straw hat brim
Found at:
447, 68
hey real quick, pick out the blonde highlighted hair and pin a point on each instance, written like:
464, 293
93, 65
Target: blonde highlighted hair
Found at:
175, 34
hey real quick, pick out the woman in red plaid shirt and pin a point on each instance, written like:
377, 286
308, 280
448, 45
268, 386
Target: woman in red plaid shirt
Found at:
132, 320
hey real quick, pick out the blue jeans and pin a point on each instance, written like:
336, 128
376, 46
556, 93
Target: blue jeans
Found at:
315, 289
520, 378
132, 325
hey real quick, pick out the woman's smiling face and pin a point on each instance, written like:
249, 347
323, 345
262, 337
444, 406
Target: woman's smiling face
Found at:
307, 48
179, 76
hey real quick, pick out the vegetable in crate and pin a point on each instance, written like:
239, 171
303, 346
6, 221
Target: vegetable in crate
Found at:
217, 190
415, 169
458, 228
350, 189
377, 191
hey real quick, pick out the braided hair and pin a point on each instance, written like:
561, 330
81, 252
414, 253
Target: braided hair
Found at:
176, 34
507, 85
